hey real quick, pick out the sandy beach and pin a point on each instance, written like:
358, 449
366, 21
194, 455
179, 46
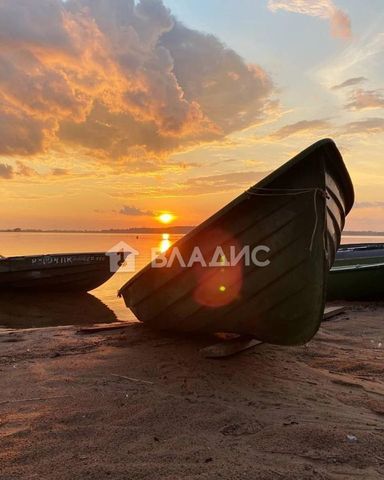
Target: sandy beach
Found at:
174, 166
138, 404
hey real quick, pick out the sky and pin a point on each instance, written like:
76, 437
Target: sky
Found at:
115, 111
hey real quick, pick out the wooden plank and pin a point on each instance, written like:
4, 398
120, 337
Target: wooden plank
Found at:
234, 346
104, 327
10, 331
331, 312
228, 348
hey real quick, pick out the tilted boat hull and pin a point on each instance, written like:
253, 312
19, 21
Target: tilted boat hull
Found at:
297, 212
67, 272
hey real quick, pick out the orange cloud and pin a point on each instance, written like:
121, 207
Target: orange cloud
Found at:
303, 126
366, 99
23, 170
6, 171
124, 81
221, 183
339, 21
59, 172
364, 127
196, 187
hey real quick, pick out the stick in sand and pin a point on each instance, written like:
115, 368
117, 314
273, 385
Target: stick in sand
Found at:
137, 380
38, 399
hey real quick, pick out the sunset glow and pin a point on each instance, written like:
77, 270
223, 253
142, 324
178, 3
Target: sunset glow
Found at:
166, 218
107, 114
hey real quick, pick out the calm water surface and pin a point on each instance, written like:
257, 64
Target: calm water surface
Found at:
102, 305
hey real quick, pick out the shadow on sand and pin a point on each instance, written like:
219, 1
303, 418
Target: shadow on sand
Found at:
31, 310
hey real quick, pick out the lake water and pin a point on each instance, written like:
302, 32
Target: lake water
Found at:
102, 305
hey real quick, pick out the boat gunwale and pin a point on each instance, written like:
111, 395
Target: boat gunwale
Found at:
360, 247
44, 255
356, 267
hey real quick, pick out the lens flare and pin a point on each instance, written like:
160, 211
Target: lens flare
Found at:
220, 284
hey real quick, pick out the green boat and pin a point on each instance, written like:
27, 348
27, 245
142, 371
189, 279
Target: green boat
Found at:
357, 282
72, 272
358, 273
293, 220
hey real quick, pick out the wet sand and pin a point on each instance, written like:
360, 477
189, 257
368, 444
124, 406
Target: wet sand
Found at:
309, 412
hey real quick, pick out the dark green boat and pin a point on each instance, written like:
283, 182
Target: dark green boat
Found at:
357, 282
358, 273
293, 220
75, 272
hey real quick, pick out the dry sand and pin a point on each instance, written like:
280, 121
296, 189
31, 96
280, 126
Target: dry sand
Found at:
269, 413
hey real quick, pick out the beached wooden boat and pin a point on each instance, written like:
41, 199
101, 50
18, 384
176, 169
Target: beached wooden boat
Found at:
80, 272
298, 213
364, 281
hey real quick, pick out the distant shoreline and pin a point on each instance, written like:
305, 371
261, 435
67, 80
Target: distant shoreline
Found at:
135, 230
363, 234
178, 230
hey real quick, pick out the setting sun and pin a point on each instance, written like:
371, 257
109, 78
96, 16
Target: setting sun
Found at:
166, 218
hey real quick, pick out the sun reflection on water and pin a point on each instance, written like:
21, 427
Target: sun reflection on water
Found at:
165, 242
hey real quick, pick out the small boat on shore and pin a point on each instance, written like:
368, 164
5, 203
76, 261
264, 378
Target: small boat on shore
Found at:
75, 272
287, 229
358, 273
362, 281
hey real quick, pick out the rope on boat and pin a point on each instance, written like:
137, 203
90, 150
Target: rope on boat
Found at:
266, 192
